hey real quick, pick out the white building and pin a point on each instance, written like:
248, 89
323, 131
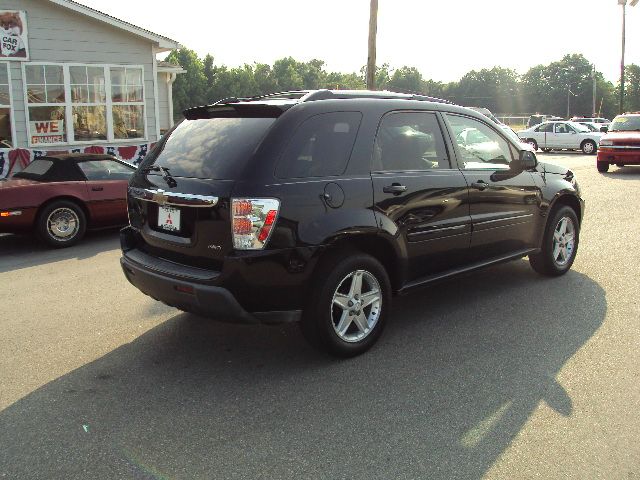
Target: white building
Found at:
73, 78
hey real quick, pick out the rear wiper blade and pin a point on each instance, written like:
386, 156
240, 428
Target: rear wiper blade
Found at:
165, 174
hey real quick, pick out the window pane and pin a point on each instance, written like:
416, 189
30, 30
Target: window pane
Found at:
409, 141
321, 146
46, 125
4, 94
128, 121
79, 94
117, 76
4, 77
5, 128
55, 93
118, 93
134, 94
78, 75
36, 94
53, 74
97, 94
479, 145
95, 75
134, 76
89, 123
35, 74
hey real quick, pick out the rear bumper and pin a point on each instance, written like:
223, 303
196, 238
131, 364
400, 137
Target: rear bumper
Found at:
249, 289
613, 156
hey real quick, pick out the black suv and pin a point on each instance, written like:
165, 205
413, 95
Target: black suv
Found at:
319, 206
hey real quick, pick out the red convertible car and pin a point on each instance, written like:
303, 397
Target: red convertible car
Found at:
59, 197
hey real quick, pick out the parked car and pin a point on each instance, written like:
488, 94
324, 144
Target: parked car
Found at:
319, 206
538, 119
603, 122
621, 145
562, 135
59, 197
594, 127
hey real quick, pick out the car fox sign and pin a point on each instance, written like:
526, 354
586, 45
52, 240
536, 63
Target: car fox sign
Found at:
13, 35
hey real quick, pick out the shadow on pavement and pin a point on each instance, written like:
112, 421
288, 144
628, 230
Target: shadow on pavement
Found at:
24, 251
452, 381
631, 172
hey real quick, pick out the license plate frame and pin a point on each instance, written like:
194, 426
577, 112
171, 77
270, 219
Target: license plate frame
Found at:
169, 218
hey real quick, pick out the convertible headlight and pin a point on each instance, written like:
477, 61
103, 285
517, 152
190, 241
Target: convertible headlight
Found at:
606, 143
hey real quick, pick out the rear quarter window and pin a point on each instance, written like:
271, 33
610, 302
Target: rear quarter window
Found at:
321, 146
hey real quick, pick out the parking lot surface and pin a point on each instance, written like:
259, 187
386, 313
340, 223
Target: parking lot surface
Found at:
498, 374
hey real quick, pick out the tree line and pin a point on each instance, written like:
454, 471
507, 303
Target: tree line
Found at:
543, 89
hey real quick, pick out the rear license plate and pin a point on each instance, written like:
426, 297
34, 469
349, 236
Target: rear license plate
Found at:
169, 218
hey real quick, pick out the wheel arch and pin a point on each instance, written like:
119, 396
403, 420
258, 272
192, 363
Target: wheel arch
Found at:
375, 245
67, 198
569, 201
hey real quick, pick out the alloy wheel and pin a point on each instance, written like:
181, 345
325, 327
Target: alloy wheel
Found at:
356, 306
563, 241
63, 224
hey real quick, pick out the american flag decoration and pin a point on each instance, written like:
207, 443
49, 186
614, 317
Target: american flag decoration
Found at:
10, 157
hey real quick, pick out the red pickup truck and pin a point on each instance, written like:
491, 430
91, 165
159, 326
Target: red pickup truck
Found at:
621, 145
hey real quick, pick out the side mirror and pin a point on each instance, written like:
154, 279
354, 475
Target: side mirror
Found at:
604, 128
526, 161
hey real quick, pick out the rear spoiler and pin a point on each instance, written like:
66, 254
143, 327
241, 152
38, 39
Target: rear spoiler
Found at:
237, 110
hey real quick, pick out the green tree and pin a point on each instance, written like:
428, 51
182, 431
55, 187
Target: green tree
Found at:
190, 88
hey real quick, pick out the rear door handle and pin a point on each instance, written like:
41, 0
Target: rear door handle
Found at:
97, 189
394, 188
480, 185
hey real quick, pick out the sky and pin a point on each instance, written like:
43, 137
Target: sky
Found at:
443, 39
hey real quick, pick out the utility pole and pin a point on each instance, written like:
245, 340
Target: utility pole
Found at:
593, 75
371, 60
632, 3
624, 18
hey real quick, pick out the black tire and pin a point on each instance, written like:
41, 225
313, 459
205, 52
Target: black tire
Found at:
603, 167
70, 215
546, 150
589, 147
533, 143
546, 262
321, 314
619, 165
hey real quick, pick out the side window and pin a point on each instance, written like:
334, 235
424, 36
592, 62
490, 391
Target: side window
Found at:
562, 128
321, 146
479, 145
546, 127
409, 141
105, 170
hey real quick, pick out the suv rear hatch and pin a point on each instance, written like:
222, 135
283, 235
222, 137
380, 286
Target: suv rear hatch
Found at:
180, 198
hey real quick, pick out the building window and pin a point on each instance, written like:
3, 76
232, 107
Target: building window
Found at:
128, 102
78, 104
6, 138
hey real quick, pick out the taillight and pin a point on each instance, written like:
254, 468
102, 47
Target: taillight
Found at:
253, 220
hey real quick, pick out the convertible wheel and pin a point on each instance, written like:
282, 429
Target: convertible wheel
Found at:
559, 245
347, 314
602, 167
61, 224
588, 147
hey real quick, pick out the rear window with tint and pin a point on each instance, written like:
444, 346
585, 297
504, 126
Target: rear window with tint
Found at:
321, 146
217, 148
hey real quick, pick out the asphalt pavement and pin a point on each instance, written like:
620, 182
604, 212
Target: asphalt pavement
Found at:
500, 374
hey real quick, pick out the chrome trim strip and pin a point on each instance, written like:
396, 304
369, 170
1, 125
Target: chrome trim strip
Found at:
621, 147
516, 217
436, 230
178, 199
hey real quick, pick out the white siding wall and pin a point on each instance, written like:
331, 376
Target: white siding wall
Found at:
163, 104
57, 34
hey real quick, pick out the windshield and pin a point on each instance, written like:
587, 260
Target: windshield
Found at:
217, 148
625, 123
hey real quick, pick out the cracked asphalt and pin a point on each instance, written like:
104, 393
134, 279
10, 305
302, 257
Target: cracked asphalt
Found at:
500, 374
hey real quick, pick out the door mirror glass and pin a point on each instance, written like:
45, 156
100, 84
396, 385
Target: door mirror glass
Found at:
526, 161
